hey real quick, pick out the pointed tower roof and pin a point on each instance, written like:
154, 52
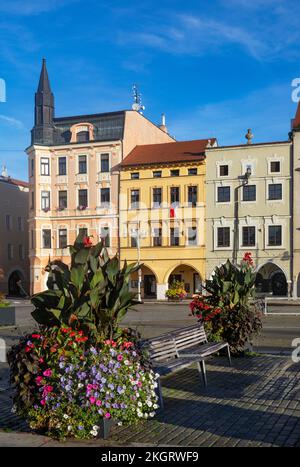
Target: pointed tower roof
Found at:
296, 121
44, 83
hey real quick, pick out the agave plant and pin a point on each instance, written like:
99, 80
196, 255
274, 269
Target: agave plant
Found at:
92, 294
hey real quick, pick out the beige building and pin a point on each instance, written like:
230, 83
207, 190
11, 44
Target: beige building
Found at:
74, 176
14, 264
248, 192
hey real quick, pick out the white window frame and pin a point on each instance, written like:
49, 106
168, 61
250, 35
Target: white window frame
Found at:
275, 182
87, 164
256, 192
218, 224
109, 162
49, 199
61, 227
47, 165
67, 167
223, 185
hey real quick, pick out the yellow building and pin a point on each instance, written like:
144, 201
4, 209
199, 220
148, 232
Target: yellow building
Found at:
162, 214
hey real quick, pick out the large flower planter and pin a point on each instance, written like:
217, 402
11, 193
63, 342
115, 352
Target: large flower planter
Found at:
105, 426
8, 316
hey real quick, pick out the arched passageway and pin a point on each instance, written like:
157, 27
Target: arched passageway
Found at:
189, 276
16, 284
271, 280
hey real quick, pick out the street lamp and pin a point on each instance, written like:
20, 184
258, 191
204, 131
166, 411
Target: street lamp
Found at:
245, 181
137, 234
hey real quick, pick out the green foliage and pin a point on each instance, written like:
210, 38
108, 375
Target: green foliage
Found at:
232, 290
3, 303
92, 294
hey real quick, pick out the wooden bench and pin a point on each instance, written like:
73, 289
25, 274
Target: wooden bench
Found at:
181, 348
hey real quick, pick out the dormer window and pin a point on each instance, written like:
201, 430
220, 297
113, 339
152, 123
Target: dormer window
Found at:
82, 136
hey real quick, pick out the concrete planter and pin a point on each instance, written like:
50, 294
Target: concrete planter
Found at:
8, 316
105, 426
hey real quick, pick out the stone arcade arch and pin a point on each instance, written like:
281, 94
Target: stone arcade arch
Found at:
271, 279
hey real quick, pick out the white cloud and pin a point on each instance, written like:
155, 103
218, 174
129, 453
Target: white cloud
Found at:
266, 111
31, 7
11, 121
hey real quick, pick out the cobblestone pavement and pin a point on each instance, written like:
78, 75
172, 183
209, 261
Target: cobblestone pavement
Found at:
254, 403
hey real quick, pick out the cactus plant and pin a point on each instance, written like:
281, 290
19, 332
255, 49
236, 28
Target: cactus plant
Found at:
91, 294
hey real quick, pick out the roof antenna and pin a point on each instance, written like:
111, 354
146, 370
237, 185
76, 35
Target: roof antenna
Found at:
137, 100
4, 172
163, 126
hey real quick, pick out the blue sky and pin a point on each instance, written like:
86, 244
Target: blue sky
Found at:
215, 68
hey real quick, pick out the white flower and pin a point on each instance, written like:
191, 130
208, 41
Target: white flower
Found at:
69, 427
14, 409
146, 415
80, 385
94, 432
139, 414
66, 416
120, 423
95, 427
149, 403
152, 414
155, 385
140, 404
157, 375
155, 406
137, 394
126, 362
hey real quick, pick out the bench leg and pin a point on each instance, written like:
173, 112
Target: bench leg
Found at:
202, 369
228, 355
160, 396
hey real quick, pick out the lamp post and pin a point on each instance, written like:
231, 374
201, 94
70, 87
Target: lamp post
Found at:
245, 181
136, 233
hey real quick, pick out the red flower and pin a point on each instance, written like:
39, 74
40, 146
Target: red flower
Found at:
36, 336
87, 242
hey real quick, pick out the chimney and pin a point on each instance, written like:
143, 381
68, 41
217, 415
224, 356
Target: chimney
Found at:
162, 126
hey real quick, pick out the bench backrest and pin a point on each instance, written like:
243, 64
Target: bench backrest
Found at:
161, 349
189, 337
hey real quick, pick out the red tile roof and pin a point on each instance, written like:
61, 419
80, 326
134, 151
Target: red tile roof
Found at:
14, 181
164, 153
296, 121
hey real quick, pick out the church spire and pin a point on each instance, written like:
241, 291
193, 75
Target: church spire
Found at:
43, 130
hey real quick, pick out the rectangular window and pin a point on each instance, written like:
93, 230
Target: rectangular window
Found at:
62, 166
192, 236
275, 166
157, 236
157, 174
46, 238
105, 162
135, 199
174, 232
275, 191
32, 200
83, 231
82, 198
248, 236
174, 195
223, 240
249, 193
105, 197
223, 194
133, 241
31, 167
157, 197
21, 252
62, 199
275, 235
8, 222
10, 251
32, 238
82, 165
192, 196
45, 166
174, 173
62, 238
135, 175
192, 171
45, 200
223, 170
20, 224
105, 236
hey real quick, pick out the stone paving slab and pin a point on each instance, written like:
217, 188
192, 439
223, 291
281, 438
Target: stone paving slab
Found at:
254, 403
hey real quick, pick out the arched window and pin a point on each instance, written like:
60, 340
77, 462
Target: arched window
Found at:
83, 136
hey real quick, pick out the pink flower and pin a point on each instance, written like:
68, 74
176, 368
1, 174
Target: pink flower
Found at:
47, 372
89, 387
92, 400
107, 415
98, 402
119, 358
139, 384
38, 380
95, 386
43, 402
48, 388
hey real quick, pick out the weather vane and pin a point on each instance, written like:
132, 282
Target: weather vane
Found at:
137, 100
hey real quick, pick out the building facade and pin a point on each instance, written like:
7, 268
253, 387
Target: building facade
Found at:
162, 215
14, 264
248, 209
295, 202
74, 176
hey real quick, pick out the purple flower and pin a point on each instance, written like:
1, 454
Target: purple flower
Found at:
80, 427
